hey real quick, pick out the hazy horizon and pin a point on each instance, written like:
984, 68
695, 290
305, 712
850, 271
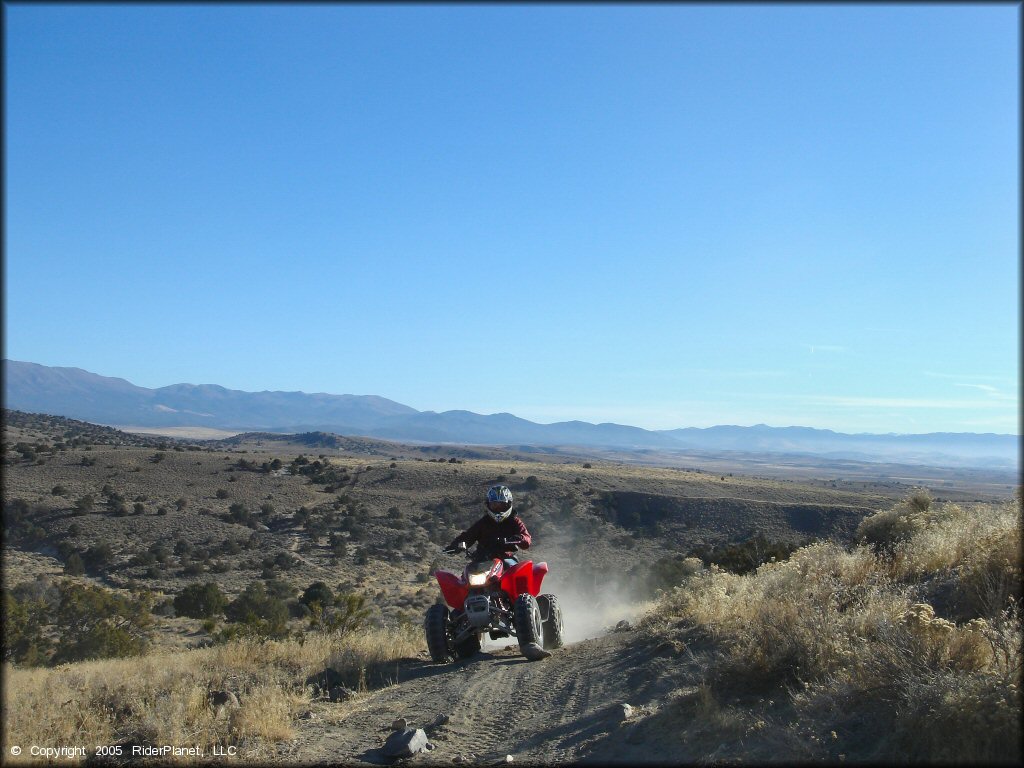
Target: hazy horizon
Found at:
662, 216
371, 394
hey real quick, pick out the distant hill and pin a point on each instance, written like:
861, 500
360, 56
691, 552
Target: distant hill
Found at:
79, 394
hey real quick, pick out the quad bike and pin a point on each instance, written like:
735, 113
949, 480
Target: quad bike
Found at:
494, 598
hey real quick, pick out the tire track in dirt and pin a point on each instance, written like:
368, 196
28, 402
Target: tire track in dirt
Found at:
497, 703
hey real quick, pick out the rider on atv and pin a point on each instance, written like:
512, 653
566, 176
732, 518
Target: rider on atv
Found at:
498, 533
496, 595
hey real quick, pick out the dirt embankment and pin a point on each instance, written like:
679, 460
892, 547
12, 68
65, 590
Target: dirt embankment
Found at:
566, 708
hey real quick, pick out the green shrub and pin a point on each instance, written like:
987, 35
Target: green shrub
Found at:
346, 613
317, 592
257, 614
279, 588
338, 545
95, 623
200, 601
144, 559
746, 556
238, 513
24, 641
98, 555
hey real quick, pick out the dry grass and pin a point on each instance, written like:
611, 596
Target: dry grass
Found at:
848, 633
163, 699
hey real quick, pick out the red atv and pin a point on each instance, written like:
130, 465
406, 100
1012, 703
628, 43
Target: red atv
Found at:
494, 598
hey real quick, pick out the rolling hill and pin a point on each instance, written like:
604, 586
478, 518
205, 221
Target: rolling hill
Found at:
80, 394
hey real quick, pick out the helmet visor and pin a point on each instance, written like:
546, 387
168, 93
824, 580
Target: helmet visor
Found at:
499, 506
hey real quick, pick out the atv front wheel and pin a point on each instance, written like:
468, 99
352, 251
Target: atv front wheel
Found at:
551, 612
528, 621
436, 628
468, 647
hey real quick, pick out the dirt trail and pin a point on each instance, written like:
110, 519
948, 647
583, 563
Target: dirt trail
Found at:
293, 547
562, 709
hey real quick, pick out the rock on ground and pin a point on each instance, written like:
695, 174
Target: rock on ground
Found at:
405, 743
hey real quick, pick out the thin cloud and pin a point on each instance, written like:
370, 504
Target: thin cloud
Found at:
961, 376
983, 387
988, 389
905, 402
691, 372
824, 348
752, 374
996, 422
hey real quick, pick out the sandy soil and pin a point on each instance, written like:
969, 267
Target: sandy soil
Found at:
185, 433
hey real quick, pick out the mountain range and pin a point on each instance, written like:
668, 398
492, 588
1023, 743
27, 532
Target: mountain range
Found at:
80, 394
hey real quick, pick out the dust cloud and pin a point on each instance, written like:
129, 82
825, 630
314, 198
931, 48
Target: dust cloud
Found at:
591, 610
588, 609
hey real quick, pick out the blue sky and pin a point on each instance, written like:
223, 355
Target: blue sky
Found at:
666, 215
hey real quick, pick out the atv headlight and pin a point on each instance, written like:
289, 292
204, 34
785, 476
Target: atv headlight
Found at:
477, 579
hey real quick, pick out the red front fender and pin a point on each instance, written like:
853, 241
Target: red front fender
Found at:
525, 577
452, 588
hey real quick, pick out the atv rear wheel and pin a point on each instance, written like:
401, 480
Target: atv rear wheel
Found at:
551, 612
438, 639
529, 624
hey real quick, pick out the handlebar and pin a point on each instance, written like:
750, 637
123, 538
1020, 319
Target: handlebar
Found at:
512, 542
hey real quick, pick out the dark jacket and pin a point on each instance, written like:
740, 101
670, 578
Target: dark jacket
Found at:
488, 534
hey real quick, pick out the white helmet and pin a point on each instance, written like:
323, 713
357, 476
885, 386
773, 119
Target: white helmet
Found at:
499, 502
